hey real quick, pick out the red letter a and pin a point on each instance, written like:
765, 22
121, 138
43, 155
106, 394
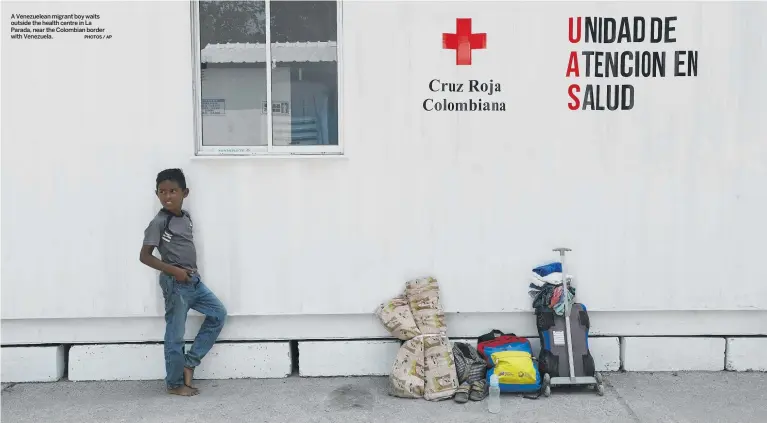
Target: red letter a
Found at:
572, 64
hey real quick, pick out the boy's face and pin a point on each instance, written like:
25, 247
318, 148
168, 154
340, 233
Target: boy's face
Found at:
171, 196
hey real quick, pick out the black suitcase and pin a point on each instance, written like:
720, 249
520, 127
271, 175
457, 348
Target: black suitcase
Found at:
561, 364
553, 356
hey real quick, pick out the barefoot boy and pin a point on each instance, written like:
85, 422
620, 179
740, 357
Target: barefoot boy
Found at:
171, 233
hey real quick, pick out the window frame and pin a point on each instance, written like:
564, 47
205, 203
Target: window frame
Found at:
269, 149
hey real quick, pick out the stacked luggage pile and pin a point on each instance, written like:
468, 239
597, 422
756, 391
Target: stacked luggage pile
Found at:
432, 367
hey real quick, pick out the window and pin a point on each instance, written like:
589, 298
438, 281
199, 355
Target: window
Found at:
234, 86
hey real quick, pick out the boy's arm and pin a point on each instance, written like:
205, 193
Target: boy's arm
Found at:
152, 236
150, 260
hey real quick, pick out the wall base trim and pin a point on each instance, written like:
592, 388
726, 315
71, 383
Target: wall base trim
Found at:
367, 326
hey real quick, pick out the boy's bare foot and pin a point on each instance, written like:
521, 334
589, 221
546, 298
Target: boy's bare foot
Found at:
188, 375
184, 391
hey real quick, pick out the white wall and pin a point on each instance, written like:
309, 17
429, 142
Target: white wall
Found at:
663, 205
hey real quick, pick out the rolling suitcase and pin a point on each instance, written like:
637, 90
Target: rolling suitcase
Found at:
565, 358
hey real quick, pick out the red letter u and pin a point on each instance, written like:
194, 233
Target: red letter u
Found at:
576, 38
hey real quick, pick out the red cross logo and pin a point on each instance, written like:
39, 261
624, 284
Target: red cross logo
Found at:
463, 41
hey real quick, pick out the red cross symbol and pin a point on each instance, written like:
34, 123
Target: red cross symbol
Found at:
463, 41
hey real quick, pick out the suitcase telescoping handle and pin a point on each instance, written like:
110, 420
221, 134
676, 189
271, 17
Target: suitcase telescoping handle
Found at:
565, 293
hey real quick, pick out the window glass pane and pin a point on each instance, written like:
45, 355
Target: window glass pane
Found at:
233, 65
304, 72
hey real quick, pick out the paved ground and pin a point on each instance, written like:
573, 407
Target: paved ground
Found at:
631, 398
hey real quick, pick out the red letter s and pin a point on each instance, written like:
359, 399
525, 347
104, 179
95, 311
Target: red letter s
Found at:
576, 103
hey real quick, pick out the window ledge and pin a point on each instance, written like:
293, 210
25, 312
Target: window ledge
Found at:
271, 156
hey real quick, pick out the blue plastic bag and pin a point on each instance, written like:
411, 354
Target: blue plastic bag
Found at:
548, 269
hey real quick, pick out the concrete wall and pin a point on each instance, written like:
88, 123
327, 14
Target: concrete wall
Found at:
663, 205
357, 358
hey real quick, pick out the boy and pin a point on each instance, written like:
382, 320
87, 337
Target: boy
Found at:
171, 233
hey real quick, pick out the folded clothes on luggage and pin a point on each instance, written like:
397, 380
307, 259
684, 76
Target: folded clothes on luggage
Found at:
549, 297
554, 278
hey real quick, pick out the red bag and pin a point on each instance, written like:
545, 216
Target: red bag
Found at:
493, 339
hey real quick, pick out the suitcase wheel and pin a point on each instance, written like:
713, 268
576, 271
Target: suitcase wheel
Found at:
600, 386
546, 385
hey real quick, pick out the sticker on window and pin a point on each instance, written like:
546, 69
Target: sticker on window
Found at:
213, 107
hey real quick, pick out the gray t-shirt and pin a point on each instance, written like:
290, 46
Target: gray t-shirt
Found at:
176, 243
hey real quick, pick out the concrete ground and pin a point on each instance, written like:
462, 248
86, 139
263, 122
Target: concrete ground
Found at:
630, 397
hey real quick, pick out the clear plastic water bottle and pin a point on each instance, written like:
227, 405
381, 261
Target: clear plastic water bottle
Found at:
494, 399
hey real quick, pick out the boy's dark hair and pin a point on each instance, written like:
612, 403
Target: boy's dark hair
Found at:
175, 175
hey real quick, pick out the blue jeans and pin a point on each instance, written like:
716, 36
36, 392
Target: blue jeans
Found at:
179, 298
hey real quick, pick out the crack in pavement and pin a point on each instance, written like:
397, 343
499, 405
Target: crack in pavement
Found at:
10, 385
622, 401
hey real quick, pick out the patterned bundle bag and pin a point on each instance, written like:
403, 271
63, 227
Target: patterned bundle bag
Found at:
441, 377
423, 296
424, 367
398, 319
407, 379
